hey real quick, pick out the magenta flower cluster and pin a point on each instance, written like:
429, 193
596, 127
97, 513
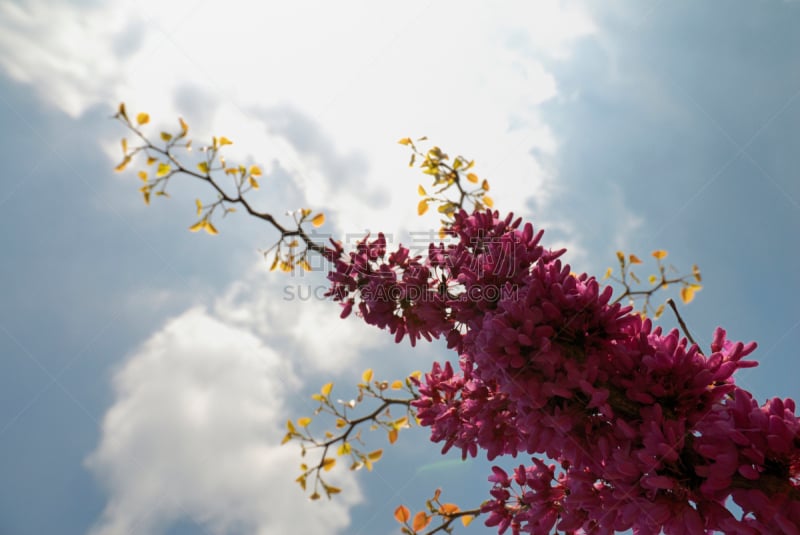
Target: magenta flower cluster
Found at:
648, 432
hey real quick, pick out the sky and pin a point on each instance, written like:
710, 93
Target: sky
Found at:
147, 372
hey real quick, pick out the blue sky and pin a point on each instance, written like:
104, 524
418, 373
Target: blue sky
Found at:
147, 371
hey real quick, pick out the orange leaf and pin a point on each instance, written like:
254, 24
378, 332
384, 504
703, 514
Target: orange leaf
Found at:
633, 259
420, 521
402, 514
392, 436
467, 520
318, 220
472, 177
659, 255
449, 509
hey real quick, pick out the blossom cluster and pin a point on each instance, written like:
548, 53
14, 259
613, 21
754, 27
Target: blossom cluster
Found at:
649, 433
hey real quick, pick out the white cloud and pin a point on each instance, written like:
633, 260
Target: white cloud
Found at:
291, 312
194, 434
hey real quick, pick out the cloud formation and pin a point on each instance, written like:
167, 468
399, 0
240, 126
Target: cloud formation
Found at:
194, 434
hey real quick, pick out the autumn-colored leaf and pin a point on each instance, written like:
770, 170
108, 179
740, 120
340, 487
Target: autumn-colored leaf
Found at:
211, 229
472, 177
421, 520
255, 171
304, 421
166, 136
633, 259
162, 170
203, 167
253, 182
318, 220
402, 514
328, 464
659, 254
422, 207
421, 190
367, 375
344, 449
375, 455
143, 118
121, 111
392, 436
121, 167
197, 226
487, 201
397, 384
449, 509
224, 141
405, 141
466, 520
326, 389
485, 185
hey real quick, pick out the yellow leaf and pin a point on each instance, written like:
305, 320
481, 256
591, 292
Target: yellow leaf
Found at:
255, 171
317, 397
633, 259
253, 182
421, 190
142, 118
488, 201
224, 141
608, 273
197, 226
652, 279
121, 111
485, 185
422, 207
166, 136
162, 170
392, 436
302, 481
467, 520
123, 164
340, 423
151, 160
659, 311
210, 228
231, 171
659, 255
203, 167
199, 206
326, 389
184, 126
290, 426
286, 438
143, 176
472, 177
146, 192
400, 423
397, 385
318, 220
421, 519
328, 464
367, 375
449, 508
304, 421
344, 449
402, 514
374, 455
405, 141
274, 263
332, 490
124, 146
687, 294
621, 257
